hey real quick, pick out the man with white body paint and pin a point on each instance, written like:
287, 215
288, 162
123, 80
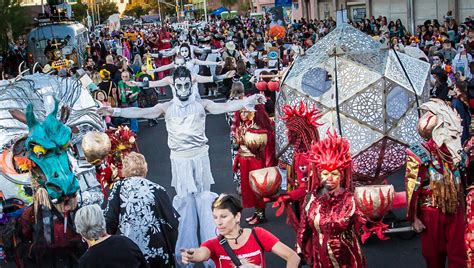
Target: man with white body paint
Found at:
185, 117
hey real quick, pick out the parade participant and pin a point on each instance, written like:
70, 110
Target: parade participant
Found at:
103, 248
236, 246
328, 233
237, 92
253, 133
48, 238
469, 179
183, 57
142, 211
185, 117
302, 131
164, 42
433, 186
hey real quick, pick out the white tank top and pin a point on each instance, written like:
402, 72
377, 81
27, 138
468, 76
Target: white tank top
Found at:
186, 126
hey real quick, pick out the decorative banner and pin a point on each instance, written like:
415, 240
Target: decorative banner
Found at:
283, 3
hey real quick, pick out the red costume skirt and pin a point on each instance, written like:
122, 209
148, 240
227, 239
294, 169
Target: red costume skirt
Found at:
247, 164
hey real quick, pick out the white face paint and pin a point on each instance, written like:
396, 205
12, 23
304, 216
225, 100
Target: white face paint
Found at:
183, 88
180, 62
184, 51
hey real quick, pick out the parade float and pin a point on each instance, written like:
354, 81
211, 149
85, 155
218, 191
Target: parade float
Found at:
44, 175
370, 96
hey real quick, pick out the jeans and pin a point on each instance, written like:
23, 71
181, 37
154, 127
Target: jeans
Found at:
134, 121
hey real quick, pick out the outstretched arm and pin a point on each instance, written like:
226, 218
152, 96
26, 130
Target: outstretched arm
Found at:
166, 81
235, 105
162, 68
210, 79
134, 112
206, 62
165, 53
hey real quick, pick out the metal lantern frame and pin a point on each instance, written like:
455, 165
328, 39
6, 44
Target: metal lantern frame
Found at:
368, 93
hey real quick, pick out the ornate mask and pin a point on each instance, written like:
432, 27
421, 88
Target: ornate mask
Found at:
183, 87
48, 145
184, 51
447, 129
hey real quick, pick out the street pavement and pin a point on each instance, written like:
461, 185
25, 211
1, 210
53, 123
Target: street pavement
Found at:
400, 251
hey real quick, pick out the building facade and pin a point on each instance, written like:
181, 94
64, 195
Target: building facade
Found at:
411, 12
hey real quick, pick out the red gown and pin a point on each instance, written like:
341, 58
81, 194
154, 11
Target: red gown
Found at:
247, 161
330, 225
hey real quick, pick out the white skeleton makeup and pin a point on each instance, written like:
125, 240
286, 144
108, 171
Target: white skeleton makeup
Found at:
183, 88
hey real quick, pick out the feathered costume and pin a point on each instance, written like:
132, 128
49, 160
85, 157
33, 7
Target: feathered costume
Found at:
301, 123
332, 219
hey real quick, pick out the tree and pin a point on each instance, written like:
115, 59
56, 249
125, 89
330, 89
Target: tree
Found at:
106, 9
228, 3
13, 21
80, 11
137, 11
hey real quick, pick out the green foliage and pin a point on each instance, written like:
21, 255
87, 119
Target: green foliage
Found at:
137, 10
80, 11
106, 9
228, 3
13, 21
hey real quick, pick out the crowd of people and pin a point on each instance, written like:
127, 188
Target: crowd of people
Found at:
132, 71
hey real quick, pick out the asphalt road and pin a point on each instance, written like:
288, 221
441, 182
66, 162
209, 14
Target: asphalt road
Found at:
399, 251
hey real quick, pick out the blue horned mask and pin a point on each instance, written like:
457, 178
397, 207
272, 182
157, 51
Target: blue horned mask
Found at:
47, 145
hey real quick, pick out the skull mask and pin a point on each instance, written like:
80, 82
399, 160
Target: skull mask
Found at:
182, 83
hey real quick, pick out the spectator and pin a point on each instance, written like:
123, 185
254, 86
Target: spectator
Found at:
103, 248
447, 51
461, 61
460, 103
109, 87
237, 246
142, 211
128, 93
440, 89
110, 66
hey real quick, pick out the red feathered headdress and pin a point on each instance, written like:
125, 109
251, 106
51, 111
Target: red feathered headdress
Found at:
302, 123
333, 153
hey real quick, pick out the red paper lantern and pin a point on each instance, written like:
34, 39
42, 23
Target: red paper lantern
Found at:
274, 85
261, 85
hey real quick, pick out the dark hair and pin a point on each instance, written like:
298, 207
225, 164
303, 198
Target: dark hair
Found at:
229, 202
181, 71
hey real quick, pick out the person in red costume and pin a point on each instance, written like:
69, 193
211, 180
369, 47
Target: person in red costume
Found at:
164, 42
302, 131
253, 133
469, 178
332, 218
433, 186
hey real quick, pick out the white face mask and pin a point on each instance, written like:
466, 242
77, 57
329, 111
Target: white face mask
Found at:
180, 62
183, 88
437, 44
184, 51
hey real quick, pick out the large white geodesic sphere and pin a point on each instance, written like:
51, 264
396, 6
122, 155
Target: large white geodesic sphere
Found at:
377, 105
